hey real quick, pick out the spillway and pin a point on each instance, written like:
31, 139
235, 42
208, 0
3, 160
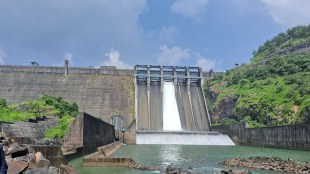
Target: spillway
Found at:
156, 108
143, 110
171, 108
171, 118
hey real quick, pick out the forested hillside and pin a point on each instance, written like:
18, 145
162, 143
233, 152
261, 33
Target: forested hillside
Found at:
273, 89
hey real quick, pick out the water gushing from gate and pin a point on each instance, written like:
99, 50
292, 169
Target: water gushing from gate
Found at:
171, 118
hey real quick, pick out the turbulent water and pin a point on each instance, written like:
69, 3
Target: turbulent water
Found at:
183, 138
171, 118
203, 159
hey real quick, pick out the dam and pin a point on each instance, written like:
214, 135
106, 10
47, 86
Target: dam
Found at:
171, 107
137, 94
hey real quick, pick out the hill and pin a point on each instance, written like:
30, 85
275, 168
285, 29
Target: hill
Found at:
273, 89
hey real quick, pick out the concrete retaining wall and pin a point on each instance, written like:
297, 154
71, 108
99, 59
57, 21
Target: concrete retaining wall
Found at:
100, 92
33, 130
96, 133
52, 153
102, 161
89, 133
74, 137
130, 133
286, 137
109, 149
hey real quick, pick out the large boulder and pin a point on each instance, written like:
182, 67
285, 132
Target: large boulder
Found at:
16, 167
18, 151
50, 170
39, 162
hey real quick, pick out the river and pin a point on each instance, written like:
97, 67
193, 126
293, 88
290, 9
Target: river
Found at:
203, 159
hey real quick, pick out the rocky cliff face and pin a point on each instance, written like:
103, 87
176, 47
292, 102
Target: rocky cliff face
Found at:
225, 107
222, 108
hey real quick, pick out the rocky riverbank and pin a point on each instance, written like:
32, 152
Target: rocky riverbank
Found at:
24, 159
175, 170
270, 163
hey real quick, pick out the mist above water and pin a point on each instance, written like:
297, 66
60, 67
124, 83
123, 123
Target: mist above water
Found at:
171, 118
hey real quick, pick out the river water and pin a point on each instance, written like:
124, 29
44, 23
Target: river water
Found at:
203, 159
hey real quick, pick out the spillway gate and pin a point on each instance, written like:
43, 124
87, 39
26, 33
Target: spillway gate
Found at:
187, 81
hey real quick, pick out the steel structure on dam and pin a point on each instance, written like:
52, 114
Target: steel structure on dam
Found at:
192, 108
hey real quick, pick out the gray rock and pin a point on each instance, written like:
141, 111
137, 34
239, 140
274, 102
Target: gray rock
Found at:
22, 158
50, 170
30, 149
18, 151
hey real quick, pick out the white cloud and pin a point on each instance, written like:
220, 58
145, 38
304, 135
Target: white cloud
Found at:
289, 13
189, 8
204, 63
114, 59
3, 55
167, 34
172, 56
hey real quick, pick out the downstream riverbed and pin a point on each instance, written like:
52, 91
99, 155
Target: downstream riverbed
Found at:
203, 159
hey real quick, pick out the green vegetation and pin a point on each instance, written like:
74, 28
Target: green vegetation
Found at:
45, 106
61, 129
274, 89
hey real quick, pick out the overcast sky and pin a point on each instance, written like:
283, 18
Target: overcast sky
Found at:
213, 34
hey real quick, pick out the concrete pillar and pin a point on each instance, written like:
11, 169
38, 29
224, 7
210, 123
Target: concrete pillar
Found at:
161, 78
66, 67
175, 78
136, 97
200, 76
188, 79
188, 85
148, 77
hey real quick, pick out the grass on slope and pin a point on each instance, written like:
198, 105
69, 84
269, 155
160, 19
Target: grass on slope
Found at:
61, 129
45, 106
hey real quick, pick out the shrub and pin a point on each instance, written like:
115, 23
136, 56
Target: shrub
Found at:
61, 129
2, 103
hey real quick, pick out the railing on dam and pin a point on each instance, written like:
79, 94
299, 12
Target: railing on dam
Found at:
189, 96
103, 70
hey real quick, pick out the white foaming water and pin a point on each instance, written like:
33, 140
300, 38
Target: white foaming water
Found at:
188, 138
171, 118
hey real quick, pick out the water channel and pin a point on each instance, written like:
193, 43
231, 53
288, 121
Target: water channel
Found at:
203, 159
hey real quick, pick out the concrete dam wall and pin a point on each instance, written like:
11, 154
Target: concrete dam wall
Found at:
101, 92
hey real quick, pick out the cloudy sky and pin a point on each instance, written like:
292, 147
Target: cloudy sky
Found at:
213, 34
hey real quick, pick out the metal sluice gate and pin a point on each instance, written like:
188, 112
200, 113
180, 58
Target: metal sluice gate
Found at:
150, 74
